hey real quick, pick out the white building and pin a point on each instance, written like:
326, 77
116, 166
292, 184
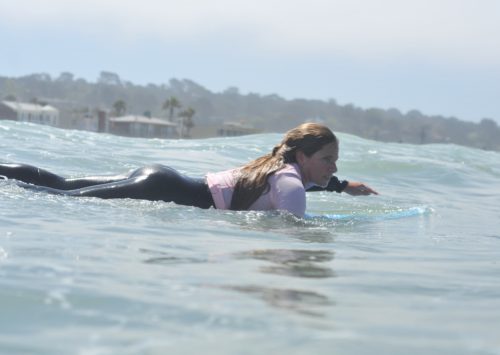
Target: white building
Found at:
28, 112
141, 126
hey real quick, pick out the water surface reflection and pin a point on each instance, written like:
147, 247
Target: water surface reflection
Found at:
300, 301
296, 263
301, 263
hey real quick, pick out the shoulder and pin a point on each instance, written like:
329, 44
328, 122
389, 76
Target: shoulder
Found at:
290, 170
288, 192
289, 175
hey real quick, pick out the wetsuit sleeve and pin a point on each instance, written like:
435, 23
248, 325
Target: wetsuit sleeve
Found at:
289, 195
334, 185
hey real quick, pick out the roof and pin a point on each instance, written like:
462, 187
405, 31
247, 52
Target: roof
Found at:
241, 126
142, 119
24, 106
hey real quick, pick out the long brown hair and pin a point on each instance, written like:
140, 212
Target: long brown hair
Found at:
253, 177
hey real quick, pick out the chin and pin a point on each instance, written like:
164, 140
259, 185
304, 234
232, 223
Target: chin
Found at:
323, 183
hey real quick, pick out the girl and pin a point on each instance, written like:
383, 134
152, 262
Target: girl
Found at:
304, 161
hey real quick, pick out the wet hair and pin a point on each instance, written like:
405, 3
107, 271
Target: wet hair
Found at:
252, 180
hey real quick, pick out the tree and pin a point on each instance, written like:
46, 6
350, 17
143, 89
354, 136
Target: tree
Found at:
232, 90
171, 104
414, 115
66, 77
39, 77
120, 107
10, 97
35, 101
187, 121
489, 132
109, 78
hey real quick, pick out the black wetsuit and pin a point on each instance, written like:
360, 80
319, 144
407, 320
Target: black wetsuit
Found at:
153, 183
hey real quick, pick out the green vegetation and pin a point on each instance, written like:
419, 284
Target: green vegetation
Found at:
119, 108
171, 104
187, 121
269, 113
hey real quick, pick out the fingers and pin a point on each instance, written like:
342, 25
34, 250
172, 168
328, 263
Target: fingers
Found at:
360, 189
366, 190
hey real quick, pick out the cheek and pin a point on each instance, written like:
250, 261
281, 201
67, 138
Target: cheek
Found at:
320, 170
325, 166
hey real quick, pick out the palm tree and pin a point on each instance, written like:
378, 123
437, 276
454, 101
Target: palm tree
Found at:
187, 121
120, 107
171, 104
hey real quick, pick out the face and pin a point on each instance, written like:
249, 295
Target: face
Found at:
319, 167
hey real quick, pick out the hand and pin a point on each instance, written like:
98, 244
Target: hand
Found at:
358, 189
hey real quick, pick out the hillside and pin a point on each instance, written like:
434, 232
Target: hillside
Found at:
269, 113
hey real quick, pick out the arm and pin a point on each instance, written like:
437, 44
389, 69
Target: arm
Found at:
334, 185
353, 188
358, 188
288, 194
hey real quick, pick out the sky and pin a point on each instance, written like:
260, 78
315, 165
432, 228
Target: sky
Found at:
441, 57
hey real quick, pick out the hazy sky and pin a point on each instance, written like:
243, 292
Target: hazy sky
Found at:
438, 56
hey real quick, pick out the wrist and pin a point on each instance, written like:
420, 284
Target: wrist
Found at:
343, 184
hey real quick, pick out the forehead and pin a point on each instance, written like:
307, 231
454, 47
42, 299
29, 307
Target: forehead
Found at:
329, 149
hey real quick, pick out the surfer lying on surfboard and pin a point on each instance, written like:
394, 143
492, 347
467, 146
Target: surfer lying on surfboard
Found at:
305, 160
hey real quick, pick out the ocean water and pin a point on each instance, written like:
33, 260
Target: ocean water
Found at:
415, 270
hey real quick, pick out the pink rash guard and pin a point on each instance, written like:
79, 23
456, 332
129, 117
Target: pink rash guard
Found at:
286, 191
